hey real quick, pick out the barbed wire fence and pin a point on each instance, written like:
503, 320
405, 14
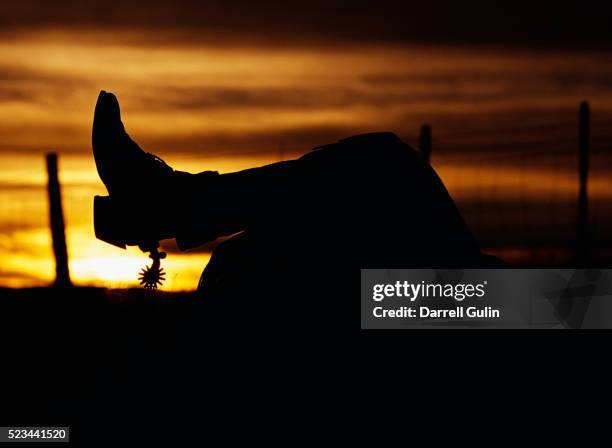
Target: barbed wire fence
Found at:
534, 194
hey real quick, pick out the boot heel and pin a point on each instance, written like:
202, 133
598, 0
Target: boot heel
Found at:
108, 221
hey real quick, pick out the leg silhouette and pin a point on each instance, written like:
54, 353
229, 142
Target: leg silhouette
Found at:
365, 201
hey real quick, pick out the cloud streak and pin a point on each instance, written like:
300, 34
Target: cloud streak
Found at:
214, 100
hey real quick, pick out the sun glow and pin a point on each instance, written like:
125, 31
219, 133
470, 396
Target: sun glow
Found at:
121, 270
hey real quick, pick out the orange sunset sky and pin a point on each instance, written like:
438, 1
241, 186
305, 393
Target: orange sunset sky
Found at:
232, 93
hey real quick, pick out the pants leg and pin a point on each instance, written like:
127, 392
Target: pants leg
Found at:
370, 200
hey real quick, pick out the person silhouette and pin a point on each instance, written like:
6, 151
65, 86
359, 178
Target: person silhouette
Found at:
365, 201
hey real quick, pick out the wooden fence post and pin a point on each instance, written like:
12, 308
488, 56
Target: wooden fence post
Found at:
425, 142
56, 216
582, 253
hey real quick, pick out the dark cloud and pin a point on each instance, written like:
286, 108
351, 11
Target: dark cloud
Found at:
19, 187
250, 142
283, 22
24, 84
379, 90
